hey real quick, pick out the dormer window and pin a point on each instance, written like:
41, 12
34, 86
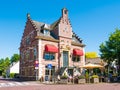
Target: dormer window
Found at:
46, 32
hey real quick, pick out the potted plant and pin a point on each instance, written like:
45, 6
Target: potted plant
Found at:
95, 79
63, 79
81, 79
87, 77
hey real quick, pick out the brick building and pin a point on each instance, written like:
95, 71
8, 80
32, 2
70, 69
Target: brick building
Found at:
55, 44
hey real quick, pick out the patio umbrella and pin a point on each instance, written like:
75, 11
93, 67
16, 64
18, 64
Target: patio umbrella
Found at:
91, 66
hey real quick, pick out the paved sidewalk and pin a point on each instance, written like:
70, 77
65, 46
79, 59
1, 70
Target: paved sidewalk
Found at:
99, 86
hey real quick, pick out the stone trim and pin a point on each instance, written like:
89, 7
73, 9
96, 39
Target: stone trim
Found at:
78, 44
46, 38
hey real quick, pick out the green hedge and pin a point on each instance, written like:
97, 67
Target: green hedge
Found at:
12, 75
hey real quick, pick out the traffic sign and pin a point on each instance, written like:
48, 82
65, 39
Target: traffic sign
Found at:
36, 62
36, 67
49, 66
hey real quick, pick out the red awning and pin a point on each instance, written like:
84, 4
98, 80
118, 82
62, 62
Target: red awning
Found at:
77, 52
51, 48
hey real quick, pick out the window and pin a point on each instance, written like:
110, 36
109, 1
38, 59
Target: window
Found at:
76, 58
65, 11
28, 41
46, 32
22, 55
35, 53
62, 40
49, 56
27, 54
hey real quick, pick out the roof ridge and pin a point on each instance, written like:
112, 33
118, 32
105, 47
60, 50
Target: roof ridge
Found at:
40, 22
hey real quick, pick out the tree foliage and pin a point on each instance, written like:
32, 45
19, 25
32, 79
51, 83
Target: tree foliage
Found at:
4, 64
15, 58
110, 49
91, 55
1, 65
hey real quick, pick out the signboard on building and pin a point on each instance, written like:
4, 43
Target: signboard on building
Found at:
49, 66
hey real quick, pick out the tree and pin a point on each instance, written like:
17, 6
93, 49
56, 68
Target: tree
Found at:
91, 55
4, 64
110, 49
15, 58
1, 66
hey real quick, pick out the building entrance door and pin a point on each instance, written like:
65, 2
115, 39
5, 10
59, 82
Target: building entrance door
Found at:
49, 73
65, 58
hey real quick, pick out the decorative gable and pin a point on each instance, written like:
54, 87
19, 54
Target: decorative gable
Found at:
65, 29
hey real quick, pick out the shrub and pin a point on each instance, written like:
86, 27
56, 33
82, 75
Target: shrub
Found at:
81, 77
12, 75
86, 75
16, 75
64, 77
95, 76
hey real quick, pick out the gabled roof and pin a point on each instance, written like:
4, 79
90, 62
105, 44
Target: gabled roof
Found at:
55, 23
77, 39
38, 25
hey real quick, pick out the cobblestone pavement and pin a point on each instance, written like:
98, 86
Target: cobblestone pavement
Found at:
100, 86
11, 84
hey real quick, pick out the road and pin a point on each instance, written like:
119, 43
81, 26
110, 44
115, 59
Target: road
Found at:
18, 85
8, 83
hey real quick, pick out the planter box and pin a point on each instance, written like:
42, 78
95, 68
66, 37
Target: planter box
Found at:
81, 81
95, 80
63, 81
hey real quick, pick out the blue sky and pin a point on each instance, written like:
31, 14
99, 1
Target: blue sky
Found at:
92, 20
